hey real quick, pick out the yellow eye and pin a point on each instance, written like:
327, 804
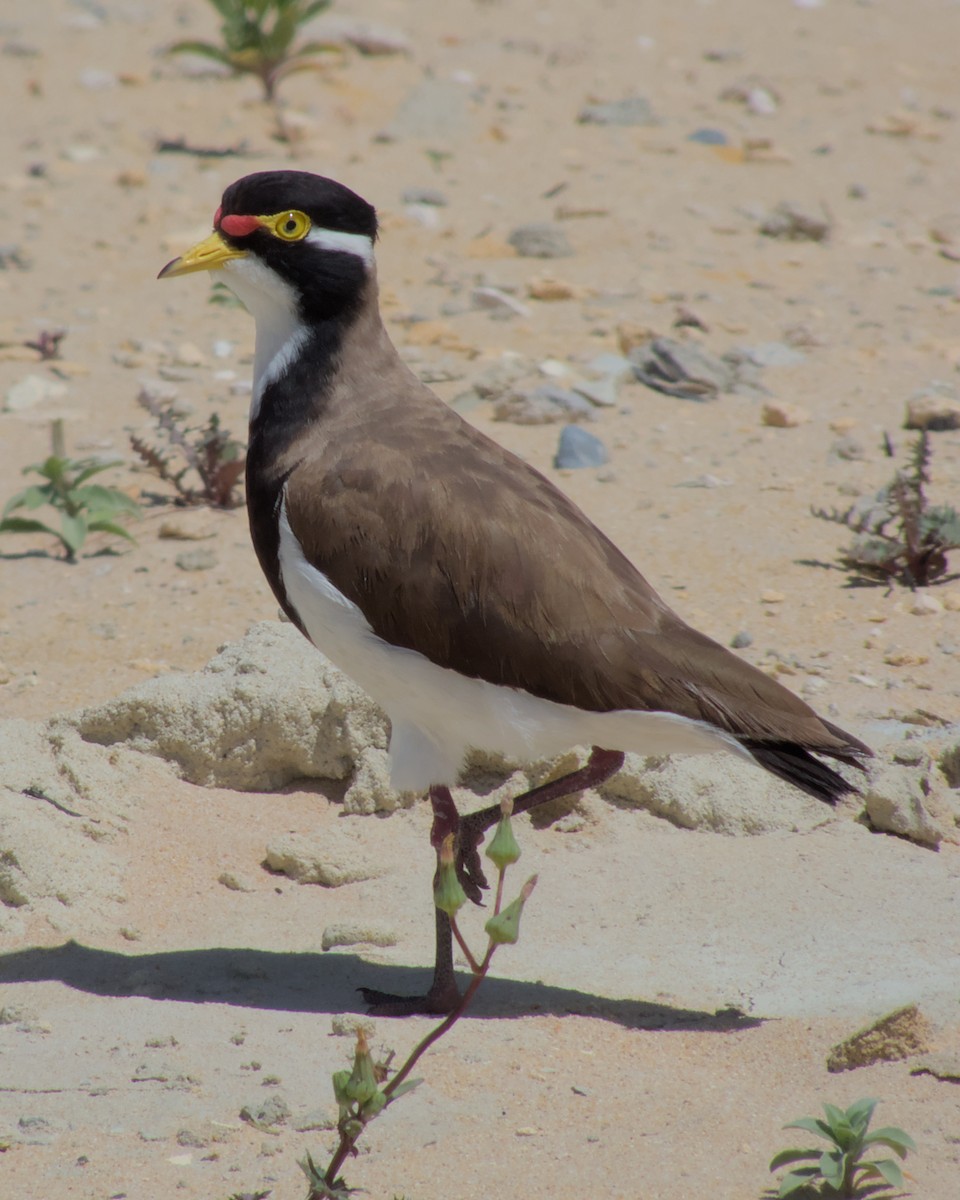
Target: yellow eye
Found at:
291, 226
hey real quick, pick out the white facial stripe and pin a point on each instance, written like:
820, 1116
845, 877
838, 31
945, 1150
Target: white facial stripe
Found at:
349, 243
273, 305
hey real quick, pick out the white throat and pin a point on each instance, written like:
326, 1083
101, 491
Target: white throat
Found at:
273, 306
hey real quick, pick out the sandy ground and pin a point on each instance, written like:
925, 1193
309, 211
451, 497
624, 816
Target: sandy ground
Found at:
596, 1064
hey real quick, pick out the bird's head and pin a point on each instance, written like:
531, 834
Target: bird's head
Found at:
288, 238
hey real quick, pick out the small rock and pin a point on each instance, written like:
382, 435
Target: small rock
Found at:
632, 110
900, 1034
201, 559
708, 137
951, 601
31, 391
898, 800
769, 596
604, 393
610, 366
234, 882
741, 640
498, 302
330, 861
794, 224
848, 449
681, 369
579, 448
925, 605
188, 355
545, 405
274, 1110
772, 354
540, 239
781, 414
549, 289
424, 195
344, 934
350, 1024
934, 413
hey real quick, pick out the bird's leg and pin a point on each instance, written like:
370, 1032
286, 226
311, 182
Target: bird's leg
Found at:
598, 769
443, 995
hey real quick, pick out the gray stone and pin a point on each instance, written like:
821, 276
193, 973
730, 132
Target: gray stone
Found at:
273, 1110
498, 302
793, 223
682, 369
632, 110
604, 393
579, 448
772, 354
202, 559
424, 195
545, 405
540, 239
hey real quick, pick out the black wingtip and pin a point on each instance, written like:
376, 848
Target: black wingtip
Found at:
808, 773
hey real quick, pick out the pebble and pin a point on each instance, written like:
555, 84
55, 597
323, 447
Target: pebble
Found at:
345, 934
925, 606
604, 393
424, 195
934, 413
781, 414
549, 289
632, 110
540, 239
709, 137
795, 224
771, 354
201, 559
681, 369
849, 449
350, 1024
741, 640
234, 882
579, 448
31, 391
188, 355
273, 1110
545, 405
498, 303
769, 596
614, 366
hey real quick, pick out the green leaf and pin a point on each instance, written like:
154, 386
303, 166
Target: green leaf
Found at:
886, 1168
31, 497
796, 1180
813, 1125
407, 1086
73, 531
831, 1168
791, 1156
26, 525
859, 1114
203, 49
106, 526
105, 500
891, 1137
52, 468
87, 467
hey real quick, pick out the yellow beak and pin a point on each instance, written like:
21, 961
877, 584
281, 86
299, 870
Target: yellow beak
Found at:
207, 255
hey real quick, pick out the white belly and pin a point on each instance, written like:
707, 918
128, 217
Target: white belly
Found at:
438, 715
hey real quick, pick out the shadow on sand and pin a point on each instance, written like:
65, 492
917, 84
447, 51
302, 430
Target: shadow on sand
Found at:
320, 983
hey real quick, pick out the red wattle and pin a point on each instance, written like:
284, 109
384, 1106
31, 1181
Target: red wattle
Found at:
237, 226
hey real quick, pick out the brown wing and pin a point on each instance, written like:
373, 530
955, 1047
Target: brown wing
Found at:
453, 547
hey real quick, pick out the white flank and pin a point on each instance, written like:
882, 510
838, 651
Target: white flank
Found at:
343, 243
273, 305
438, 715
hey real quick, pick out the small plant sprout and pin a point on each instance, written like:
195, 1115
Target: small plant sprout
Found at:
84, 507
914, 550
841, 1170
365, 1091
259, 38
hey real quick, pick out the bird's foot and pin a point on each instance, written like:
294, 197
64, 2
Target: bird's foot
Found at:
442, 998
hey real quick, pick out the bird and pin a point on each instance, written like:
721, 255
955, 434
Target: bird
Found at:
457, 585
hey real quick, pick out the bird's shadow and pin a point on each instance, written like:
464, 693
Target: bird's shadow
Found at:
320, 983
